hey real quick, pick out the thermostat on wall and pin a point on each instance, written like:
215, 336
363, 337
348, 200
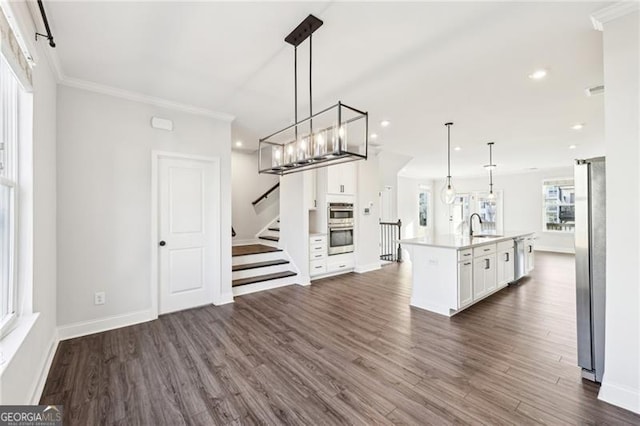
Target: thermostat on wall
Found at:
161, 123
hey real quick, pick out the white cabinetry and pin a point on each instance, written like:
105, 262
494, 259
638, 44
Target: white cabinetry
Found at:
340, 262
317, 254
465, 283
505, 263
529, 254
310, 189
341, 179
484, 271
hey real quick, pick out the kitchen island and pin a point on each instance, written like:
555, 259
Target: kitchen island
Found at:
451, 273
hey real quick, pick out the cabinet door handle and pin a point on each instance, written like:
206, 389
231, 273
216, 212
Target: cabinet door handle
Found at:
506, 257
315, 203
467, 263
467, 254
486, 263
487, 249
530, 249
342, 266
318, 267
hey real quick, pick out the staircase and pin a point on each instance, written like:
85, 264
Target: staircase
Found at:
271, 232
257, 267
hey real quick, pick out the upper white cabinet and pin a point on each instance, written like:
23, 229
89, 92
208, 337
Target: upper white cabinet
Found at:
310, 189
341, 179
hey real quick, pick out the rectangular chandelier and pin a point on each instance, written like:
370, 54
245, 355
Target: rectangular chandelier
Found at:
338, 134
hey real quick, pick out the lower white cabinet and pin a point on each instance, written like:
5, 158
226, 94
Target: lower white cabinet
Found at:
317, 254
529, 254
340, 262
465, 283
484, 275
505, 264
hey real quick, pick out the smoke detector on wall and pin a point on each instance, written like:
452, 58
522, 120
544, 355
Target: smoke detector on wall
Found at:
593, 91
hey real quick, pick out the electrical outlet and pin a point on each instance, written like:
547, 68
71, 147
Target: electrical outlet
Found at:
99, 298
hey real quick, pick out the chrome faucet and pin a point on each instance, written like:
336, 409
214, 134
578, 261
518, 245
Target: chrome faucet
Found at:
471, 223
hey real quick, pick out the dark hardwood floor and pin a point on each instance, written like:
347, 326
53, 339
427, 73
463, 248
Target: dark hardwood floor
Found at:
346, 350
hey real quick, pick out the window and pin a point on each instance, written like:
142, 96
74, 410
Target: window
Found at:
8, 188
558, 210
490, 211
423, 207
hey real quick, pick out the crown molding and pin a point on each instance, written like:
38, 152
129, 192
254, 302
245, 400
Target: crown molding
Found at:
65, 80
139, 97
615, 11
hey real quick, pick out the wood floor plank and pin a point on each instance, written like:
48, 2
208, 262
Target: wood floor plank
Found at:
345, 350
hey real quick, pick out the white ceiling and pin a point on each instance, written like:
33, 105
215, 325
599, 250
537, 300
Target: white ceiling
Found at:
415, 64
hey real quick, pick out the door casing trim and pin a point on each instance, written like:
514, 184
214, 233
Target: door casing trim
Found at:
154, 289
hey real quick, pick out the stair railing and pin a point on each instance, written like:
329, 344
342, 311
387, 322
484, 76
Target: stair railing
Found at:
390, 248
266, 194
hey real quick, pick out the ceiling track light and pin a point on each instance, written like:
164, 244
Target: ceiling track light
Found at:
448, 193
338, 134
491, 167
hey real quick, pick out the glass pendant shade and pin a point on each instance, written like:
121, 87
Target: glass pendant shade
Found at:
448, 194
492, 195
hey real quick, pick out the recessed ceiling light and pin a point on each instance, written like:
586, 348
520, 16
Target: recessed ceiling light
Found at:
373, 136
573, 146
538, 74
239, 144
578, 126
457, 148
385, 123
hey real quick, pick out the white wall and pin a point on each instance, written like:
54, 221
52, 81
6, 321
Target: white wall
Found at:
246, 186
367, 228
522, 201
104, 199
294, 224
390, 163
22, 378
621, 382
408, 203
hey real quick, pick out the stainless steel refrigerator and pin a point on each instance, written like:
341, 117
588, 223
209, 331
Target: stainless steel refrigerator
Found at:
590, 236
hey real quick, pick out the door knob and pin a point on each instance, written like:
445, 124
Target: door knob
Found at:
162, 243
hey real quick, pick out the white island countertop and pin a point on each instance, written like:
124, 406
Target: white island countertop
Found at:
458, 242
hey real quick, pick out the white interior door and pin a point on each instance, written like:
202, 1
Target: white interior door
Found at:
187, 217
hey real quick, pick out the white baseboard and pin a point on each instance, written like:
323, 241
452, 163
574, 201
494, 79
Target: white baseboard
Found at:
44, 371
225, 299
361, 269
84, 328
303, 280
556, 249
621, 396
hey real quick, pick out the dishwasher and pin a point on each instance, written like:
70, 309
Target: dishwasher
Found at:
519, 257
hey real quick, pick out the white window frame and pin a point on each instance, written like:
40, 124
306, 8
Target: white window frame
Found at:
545, 205
11, 114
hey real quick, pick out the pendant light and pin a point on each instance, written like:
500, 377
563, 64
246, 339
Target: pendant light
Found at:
491, 167
337, 134
448, 193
